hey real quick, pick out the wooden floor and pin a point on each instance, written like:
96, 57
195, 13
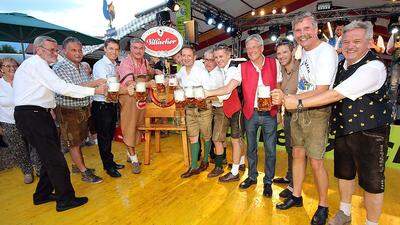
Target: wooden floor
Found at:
159, 196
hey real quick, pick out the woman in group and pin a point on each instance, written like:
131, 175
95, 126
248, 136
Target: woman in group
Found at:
17, 146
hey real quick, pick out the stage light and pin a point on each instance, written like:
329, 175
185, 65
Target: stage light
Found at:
210, 18
262, 12
253, 12
274, 11
284, 10
173, 5
274, 37
228, 27
274, 32
394, 30
219, 22
290, 36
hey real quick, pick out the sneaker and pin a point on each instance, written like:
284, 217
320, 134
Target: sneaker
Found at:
75, 169
28, 178
89, 177
340, 219
136, 168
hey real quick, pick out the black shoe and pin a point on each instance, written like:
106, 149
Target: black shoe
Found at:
290, 202
247, 183
267, 192
50, 198
320, 216
118, 166
113, 172
286, 193
281, 180
71, 204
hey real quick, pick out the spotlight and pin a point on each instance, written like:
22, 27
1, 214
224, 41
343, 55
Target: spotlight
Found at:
219, 22
262, 12
284, 10
173, 5
253, 12
275, 32
274, 37
228, 27
394, 29
290, 36
209, 18
274, 11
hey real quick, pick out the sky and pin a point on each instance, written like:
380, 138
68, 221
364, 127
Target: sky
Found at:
85, 16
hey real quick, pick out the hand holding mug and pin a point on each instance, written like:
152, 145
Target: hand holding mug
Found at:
277, 96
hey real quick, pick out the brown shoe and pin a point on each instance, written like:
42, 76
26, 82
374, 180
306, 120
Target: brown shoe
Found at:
203, 166
190, 172
215, 172
228, 177
242, 167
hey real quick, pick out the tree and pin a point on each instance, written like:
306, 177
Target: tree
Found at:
7, 49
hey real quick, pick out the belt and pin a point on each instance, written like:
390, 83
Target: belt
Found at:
104, 103
261, 112
31, 108
74, 108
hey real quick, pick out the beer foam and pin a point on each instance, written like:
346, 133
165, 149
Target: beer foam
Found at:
263, 92
198, 92
172, 81
189, 92
159, 78
140, 87
179, 95
113, 87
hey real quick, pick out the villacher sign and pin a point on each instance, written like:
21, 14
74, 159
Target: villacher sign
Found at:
162, 41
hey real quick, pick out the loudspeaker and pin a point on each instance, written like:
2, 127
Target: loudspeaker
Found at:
191, 30
163, 18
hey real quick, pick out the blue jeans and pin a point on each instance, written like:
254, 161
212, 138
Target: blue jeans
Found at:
268, 125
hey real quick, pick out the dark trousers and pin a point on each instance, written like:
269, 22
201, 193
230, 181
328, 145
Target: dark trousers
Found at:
38, 127
288, 146
105, 118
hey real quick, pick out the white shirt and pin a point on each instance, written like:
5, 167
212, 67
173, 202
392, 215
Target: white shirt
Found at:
230, 73
317, 67
198, 76
6, 102
36, 84
101, 70
279, 78
368, 78
216, 81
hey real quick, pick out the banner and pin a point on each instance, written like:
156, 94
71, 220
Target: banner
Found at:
162, 41
183, 14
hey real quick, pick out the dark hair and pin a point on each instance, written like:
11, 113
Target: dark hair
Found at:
70, 40
224, 47
284, 41
188, 47
110, 40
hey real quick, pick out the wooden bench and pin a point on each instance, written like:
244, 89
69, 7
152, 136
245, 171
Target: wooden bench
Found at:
153, 111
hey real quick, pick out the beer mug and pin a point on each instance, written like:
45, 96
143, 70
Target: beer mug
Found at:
172, 82
112, 79
179, 98
140, 91
160, 83
199, 96
189, 93
264, 98
112, 94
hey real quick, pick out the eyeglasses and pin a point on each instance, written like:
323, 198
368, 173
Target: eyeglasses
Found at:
51, 50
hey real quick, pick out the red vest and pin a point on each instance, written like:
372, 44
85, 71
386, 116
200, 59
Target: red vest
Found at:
250, 83
232, 104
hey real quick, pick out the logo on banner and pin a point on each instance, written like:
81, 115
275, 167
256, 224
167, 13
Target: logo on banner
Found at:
162, 41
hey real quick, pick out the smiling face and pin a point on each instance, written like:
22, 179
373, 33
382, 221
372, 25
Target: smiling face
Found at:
112, 51
305, 33
222, 57
355, 45
48, 51
73, 52
8, 68
188, 57
254, 49
209, 61
284, 55
137, 50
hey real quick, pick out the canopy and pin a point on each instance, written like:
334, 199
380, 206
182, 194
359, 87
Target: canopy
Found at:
18, 27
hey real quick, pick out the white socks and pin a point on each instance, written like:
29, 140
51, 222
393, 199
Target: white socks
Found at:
241, 160
235, 169
346, 208
133, 158
370, 223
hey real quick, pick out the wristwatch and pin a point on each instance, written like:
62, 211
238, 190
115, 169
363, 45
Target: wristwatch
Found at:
299, 105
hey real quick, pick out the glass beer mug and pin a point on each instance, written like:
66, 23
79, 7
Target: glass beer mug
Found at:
160, 83
189, 93
179, 98
264, 98
172, 82
112, 93
140, 91
199, 96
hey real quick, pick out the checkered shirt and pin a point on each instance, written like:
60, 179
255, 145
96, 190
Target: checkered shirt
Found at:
67, 71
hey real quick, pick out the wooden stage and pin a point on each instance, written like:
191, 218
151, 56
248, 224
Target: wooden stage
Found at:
159, 196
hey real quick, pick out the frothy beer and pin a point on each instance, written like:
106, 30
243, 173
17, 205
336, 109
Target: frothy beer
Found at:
160, 83
199, 96
264, 98
179, 98
189, 93
172, 83
112, 94
140, 91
